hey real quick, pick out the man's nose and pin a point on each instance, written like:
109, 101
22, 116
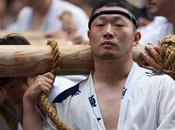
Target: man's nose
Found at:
108, 32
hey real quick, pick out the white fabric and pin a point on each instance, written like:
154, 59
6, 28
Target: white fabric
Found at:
137, 3
156, 30
62, 83
19, 127
148, 104
51, 22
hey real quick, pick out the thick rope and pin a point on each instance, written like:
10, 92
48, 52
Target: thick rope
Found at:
44, 104
167, 53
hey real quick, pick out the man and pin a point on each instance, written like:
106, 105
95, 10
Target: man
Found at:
118, 95
42, 15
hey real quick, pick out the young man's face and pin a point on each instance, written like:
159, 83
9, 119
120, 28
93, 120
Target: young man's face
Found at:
160, 7
111, 36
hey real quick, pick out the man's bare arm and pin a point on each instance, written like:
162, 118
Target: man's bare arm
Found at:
40, 84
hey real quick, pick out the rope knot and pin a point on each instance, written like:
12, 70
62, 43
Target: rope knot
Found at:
44, 104
167, 53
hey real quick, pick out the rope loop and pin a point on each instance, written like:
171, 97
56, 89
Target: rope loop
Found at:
44, 104
167, 53
56, 65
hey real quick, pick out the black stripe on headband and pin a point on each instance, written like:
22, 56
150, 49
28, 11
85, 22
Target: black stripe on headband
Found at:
132, 18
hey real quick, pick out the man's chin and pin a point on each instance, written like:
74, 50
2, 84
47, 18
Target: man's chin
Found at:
108, 56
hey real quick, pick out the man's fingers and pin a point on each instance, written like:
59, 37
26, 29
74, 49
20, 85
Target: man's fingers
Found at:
44, 86
44, 89
157, 48
39, 84
154, 53
151, 62
49, 75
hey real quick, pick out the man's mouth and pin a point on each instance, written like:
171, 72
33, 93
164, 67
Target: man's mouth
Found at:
107, 44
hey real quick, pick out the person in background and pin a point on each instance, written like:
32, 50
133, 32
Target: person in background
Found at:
86, 5
163, 24
141, 12
12, 90
45, 18
69, 30
13, 7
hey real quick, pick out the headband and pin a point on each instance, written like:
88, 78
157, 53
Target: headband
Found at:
132, 18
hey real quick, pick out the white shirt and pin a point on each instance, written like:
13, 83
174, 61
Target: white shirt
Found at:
156, 30
51, 22
147, 104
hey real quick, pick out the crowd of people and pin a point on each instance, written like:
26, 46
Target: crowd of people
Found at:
118, 93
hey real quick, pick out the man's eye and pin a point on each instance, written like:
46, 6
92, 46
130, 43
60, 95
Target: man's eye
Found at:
119, 25
99, 25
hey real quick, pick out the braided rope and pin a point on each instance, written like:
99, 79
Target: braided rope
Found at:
46, 107
167, 53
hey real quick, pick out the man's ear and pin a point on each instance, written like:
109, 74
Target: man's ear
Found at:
88, 33
137, 36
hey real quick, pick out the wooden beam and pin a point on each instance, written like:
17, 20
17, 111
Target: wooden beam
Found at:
25, 60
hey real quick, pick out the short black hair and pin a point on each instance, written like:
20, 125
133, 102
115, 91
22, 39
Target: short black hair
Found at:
14, 39
112, 3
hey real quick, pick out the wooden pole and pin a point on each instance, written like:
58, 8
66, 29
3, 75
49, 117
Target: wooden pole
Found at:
25, 60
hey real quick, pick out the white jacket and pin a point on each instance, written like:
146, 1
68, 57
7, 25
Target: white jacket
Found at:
148, 103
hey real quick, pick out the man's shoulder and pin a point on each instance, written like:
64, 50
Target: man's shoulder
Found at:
70, 92
25, 11
152, 77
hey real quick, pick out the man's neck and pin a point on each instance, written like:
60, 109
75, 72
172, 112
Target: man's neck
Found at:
111, 71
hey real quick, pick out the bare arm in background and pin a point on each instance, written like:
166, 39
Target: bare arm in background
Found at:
31, 117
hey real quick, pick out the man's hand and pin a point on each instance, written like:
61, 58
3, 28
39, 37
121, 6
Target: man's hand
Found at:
42, 83
152, 60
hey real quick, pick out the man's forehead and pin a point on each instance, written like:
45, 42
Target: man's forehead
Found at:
112, 16
113, 11
106, 8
